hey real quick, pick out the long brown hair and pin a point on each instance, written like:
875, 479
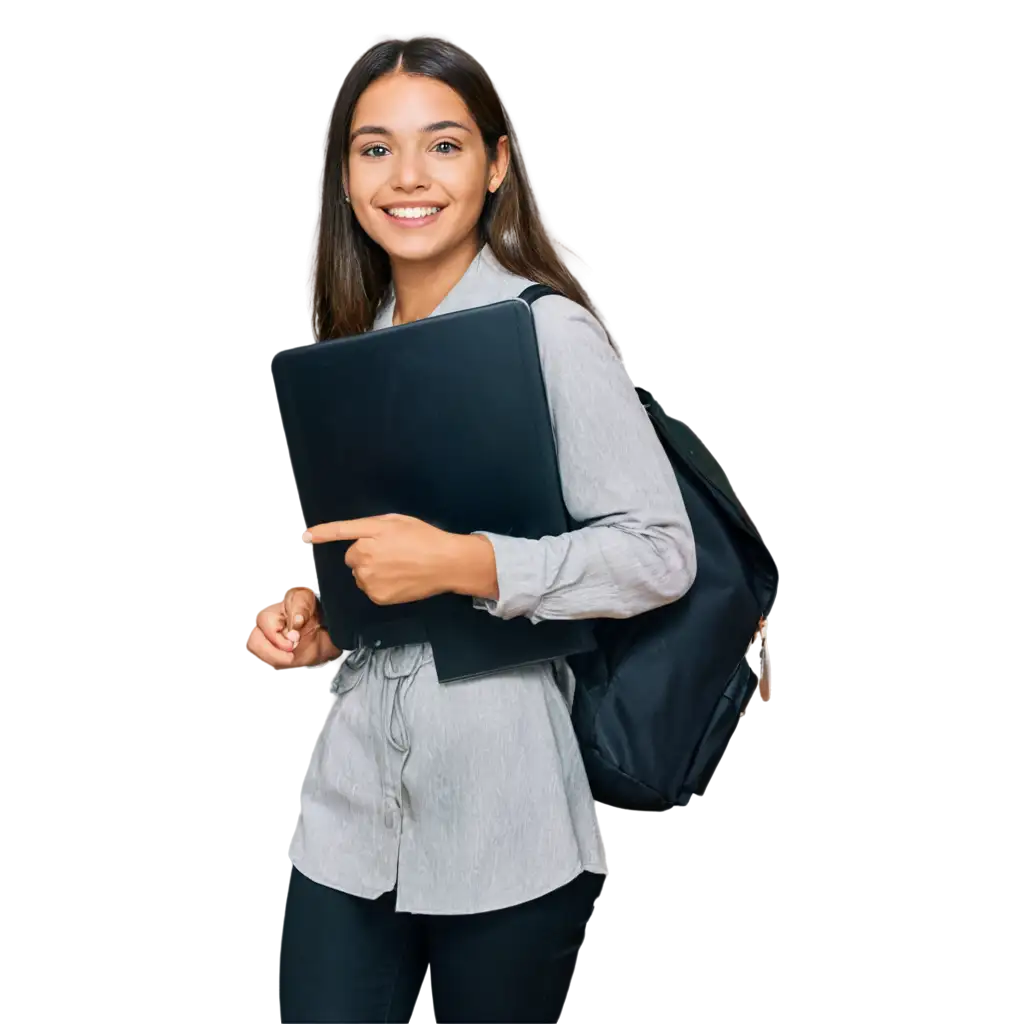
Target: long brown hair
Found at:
352, 274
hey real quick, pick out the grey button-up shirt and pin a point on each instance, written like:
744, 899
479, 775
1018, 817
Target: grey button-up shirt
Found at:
471, 795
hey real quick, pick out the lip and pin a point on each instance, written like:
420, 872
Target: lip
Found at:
413, 222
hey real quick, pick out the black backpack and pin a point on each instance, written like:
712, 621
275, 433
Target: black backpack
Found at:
657, 703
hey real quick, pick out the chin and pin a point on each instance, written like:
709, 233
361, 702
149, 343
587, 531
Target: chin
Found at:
413, 248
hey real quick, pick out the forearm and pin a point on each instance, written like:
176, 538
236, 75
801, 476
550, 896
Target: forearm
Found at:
614, 570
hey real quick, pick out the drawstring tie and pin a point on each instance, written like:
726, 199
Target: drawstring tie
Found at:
402, 676
356, 667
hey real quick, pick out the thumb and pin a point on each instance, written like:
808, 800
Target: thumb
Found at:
299, 608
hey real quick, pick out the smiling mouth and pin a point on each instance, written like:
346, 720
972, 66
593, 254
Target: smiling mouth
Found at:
412, 216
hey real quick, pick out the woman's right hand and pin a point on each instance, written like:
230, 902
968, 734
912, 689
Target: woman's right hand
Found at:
291, 633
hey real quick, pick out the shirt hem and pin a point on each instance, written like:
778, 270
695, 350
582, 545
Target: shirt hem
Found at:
332, 884
596, 867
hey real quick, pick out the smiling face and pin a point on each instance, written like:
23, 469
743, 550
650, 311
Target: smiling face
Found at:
418, 172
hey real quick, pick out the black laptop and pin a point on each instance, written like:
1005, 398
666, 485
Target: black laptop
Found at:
445, 419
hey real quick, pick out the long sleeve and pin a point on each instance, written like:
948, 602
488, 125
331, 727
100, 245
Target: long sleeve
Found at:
635, 549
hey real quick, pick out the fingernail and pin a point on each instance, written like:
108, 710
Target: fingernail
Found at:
299, 620
307, 537
293, 636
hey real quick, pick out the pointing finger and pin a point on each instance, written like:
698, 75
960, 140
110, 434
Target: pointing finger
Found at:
344, 529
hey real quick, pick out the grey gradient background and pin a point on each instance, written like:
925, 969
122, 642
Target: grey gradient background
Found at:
154, 187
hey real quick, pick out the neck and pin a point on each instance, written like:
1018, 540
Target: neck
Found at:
420, 285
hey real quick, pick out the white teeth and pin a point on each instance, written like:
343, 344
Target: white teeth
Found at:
412, 212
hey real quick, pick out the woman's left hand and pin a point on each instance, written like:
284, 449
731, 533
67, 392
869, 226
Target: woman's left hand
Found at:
398, 558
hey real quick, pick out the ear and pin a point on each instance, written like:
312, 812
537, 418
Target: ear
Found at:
499, 166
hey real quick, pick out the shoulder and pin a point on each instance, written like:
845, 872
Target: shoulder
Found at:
557, 311
569, 334
564, 328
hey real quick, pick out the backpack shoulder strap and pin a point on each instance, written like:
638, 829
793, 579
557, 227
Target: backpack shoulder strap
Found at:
535, 291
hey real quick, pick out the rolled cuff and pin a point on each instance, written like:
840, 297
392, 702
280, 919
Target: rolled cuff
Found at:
519, 562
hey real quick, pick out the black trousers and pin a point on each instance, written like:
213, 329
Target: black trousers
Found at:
346, 958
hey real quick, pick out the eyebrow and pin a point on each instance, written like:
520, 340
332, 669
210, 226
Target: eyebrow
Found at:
376, 129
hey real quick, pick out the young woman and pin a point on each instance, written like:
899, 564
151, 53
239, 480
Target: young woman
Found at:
453, 825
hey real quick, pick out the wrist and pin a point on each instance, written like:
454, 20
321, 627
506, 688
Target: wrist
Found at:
471, 567
325, 648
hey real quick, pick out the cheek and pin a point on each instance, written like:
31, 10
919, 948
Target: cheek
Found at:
365, 185
464, 182
364, 182
469, 200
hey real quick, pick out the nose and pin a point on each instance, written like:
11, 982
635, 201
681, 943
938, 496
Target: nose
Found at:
409, 172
